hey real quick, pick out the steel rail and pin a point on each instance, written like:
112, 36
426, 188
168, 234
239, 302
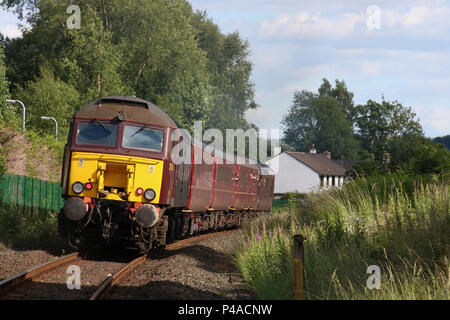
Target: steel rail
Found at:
111, 281
180, 243
9, 284
125, 271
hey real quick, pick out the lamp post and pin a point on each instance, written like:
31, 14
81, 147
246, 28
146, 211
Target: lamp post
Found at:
56, 122
23, 106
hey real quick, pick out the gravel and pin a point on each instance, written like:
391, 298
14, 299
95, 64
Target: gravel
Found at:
12, 262
199, 271
202, 270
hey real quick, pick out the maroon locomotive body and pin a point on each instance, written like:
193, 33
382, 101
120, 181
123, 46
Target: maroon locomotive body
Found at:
120, 180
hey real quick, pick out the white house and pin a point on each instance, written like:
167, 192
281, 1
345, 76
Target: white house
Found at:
305, 172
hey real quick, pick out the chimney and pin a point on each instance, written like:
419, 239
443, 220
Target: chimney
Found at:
313, 150
328, 154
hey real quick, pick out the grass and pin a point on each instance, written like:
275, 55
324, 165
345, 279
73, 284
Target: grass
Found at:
21, 231
404, 232
44, 147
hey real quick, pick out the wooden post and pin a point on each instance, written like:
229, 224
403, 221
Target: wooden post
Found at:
299, 268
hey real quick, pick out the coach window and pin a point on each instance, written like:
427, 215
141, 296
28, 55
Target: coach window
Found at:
142, 138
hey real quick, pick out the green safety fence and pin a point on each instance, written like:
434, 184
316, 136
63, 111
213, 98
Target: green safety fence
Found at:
276, 204
34, 195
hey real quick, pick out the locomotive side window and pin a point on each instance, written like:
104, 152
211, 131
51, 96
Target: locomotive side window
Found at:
97, 133
142, 138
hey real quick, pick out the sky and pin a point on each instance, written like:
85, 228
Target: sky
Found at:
396, 49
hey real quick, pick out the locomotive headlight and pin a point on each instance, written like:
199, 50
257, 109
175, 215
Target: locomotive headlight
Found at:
149, 194
78, 187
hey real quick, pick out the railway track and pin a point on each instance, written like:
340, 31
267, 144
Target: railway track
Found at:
11, 288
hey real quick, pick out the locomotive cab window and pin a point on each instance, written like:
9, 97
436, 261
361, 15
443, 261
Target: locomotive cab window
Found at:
97, 133
143, 138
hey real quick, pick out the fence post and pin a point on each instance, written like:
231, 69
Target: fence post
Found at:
299, 278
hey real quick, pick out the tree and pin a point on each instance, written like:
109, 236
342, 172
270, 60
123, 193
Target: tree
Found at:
319, 120
342, 96
230, 70
158, 50
379, 122
49, 96
6, 111
417, 154
445, 140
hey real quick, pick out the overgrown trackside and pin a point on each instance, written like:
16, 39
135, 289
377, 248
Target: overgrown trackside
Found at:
406, 234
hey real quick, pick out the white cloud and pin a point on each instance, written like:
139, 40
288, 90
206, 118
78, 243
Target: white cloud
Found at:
310, 25
10, 30
435, 120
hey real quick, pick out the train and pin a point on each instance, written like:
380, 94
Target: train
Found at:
121, 184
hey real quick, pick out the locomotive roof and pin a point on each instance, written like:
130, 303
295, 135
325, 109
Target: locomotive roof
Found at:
135, 109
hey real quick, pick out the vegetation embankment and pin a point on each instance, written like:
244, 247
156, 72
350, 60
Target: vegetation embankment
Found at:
30, 154
406, 232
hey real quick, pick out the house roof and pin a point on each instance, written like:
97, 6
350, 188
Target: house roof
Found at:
319, 163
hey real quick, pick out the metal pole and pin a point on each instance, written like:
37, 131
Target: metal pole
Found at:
24, 109
299, 270
56, 123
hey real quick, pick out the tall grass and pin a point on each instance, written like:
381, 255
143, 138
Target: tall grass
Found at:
406, 234
22, 230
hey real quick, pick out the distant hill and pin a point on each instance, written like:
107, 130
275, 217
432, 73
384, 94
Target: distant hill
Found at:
444, 140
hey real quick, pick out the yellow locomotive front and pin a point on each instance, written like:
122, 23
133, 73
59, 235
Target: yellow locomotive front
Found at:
117, 176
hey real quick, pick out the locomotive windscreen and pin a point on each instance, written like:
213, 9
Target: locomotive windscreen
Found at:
97, 133
142, 138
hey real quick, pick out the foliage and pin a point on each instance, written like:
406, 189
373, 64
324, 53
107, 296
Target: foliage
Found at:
51, 97
158, 50
229, 70
322, 120
445, 140
379, 122
347, 230
412, 155
6, 111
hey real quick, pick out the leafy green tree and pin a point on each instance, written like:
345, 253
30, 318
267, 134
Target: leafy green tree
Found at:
417, 154
6, 111
319, 120
445, 140
342, 96
158, 50
49, 96
161, 57
230, 70
379, 122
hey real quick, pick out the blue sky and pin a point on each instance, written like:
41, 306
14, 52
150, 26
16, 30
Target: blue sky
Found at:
294, 44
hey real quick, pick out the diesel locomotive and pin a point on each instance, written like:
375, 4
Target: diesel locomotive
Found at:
120, 183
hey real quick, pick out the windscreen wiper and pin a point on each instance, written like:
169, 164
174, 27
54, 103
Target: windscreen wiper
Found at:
140, 129
101, 125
